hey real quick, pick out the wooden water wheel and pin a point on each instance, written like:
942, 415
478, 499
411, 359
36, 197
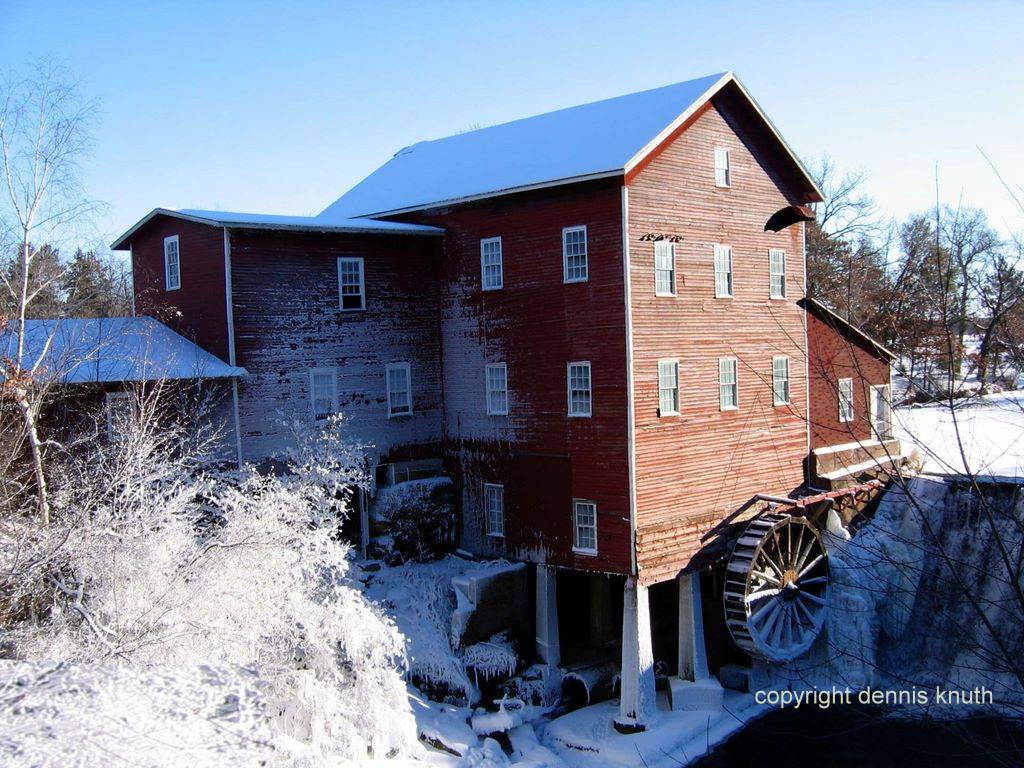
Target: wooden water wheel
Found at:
775, 587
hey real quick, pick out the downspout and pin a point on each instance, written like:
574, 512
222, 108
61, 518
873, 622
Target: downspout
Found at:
229, 307
807, 358
630, 420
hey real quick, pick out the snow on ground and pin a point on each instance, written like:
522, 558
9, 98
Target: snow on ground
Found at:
990, 428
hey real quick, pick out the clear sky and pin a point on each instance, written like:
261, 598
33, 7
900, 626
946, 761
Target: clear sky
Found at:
281, 107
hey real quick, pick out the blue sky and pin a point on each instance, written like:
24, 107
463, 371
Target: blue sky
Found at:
280, 108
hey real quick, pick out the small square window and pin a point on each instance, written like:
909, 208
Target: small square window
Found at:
497, 389
492, 276
172, 263
351, 284
574, 254
780, 380
723, 272
494, 507
399, 389
723, 171
668, 387
578, 375
585, 527
665, 269
777, 273
323, 393
845, 400
728, 384
120, 410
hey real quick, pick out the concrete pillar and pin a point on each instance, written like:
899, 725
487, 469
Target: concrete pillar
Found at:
637, 702
546, 639
693, 688
600, 608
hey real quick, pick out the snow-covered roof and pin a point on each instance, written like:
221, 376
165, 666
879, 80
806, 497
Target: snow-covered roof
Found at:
272, 221
603, 138
114, 349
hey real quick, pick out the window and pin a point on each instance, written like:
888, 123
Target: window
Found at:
399, 390
491, 275
728, 384
846, 400
780, 380
351, 284
723, 174
579, 388
665, 269
120, 408
574, 254
881, 411
777, 272
585, 519
723, 271
323, 392
497, 389
172, 263
668, 387
494, 507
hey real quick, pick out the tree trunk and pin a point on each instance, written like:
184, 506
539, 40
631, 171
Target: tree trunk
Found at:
42, 495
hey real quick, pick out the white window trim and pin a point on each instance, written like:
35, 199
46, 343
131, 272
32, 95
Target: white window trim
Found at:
565, 254
324, 371
590, 389
487, 509
789, 381
736, 384
487, 388
501, 264
112, 432
839, 392
675, 288
575, 529
732, 287
874, 411
167, 263
728, 167
785, 286
362, 284
679, 387
408, 379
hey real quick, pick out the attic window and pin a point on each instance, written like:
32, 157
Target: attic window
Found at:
172, 263
723, 172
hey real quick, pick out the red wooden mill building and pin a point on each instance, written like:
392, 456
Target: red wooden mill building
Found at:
590, 320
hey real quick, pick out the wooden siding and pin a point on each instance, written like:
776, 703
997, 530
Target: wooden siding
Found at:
698, 468
287, 321
536, 324
197, 310
836, 355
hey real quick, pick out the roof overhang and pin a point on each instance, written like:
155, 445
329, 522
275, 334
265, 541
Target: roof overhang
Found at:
360, 227
837, 321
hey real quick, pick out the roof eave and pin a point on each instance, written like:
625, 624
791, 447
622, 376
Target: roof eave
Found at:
882, 350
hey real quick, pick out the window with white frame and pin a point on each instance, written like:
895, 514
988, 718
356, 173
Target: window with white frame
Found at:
723, 173
120, 411
497, 389
578, 375
399, 389
777, 273
585, 527
881, 411
492, 277
668, 387
494, 508
351, 284
780, 380
723, 271
728, 384
574, 254
665, 269
172, 263
323, 392
846, 400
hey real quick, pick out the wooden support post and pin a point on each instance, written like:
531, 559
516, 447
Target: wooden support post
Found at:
637, 699
547, 645
693, 688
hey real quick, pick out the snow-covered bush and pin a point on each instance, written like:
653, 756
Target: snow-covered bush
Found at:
419, 518
154, 561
